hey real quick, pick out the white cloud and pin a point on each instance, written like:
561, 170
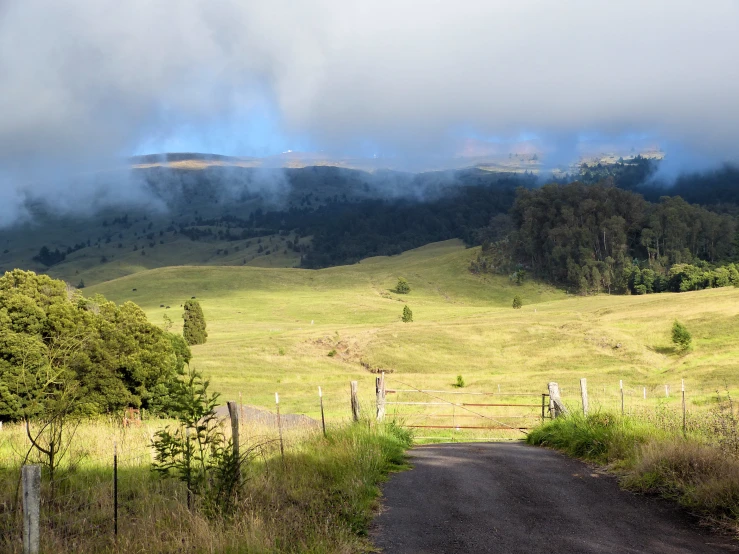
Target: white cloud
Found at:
83, 81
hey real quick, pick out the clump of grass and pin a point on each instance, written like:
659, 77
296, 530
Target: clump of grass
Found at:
601, 437
332, 353
700, 470
459, 383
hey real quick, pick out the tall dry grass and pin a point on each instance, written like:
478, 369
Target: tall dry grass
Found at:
319, 498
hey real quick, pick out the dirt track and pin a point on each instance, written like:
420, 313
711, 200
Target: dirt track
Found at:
509, 497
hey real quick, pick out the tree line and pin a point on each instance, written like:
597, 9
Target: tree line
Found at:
600, 237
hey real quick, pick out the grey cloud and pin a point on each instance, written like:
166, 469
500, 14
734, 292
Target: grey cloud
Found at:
83, 82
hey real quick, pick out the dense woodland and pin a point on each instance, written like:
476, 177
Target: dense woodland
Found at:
599, 237
59, 348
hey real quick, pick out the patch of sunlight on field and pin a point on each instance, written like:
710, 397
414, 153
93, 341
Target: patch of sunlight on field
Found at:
272, 329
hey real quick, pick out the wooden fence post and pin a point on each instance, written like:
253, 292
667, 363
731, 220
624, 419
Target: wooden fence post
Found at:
380, 391
323, 418
355, 401
235, 415
682, 389
31, 476
279, 427
115, 489
556, 407
584, 393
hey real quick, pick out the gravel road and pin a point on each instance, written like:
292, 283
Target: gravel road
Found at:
510, 497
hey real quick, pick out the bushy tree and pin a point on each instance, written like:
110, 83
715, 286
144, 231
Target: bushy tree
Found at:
407, 314
53, 340
194, 327
402, 287
681, 337
517, 302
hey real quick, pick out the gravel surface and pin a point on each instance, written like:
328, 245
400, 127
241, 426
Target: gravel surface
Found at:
510, 497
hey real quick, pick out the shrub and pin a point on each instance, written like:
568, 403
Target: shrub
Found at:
407, 314
197, 451
460, 382
517, 302
402, 287
681, 337
332, 353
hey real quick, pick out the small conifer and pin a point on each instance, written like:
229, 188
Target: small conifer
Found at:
407, 314
194, 327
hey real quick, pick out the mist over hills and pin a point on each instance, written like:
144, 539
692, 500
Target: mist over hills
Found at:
207, 209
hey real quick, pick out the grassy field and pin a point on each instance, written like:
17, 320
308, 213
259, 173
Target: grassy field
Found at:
272, 330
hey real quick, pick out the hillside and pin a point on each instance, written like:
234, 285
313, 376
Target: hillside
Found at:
189, 212
272, 329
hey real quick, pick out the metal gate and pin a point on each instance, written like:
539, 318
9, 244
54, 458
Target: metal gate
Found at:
461, 414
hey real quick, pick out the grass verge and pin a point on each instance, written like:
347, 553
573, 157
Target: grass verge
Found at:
320, 498
700, 470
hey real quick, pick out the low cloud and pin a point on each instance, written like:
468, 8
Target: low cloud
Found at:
87, 82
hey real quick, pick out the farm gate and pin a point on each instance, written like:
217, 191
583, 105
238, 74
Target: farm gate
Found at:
460, 413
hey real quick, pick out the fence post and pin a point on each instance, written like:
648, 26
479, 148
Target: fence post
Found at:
621, 386
355, 401
323, 418
115, 489
234, 414
380, 391
542, 406
667, 391
682, 389
279, 427
188, 458
31, 477
584, 393
645, 393
555, 402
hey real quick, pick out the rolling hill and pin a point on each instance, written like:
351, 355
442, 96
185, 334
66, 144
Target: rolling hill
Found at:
272, 329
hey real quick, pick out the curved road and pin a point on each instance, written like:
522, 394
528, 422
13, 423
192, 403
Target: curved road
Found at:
510, 497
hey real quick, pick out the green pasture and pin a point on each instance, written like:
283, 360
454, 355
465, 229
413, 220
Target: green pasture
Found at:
272, 329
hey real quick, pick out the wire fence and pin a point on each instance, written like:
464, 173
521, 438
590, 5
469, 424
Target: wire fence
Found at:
99, 491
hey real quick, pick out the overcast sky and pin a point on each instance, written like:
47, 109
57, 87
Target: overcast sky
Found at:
83, 82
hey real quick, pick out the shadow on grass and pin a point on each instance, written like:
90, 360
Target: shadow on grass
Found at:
665, 350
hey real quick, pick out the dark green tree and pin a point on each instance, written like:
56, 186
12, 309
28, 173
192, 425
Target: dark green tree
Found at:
194, 328
517, 302
402, 287
407, 315
53, 340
